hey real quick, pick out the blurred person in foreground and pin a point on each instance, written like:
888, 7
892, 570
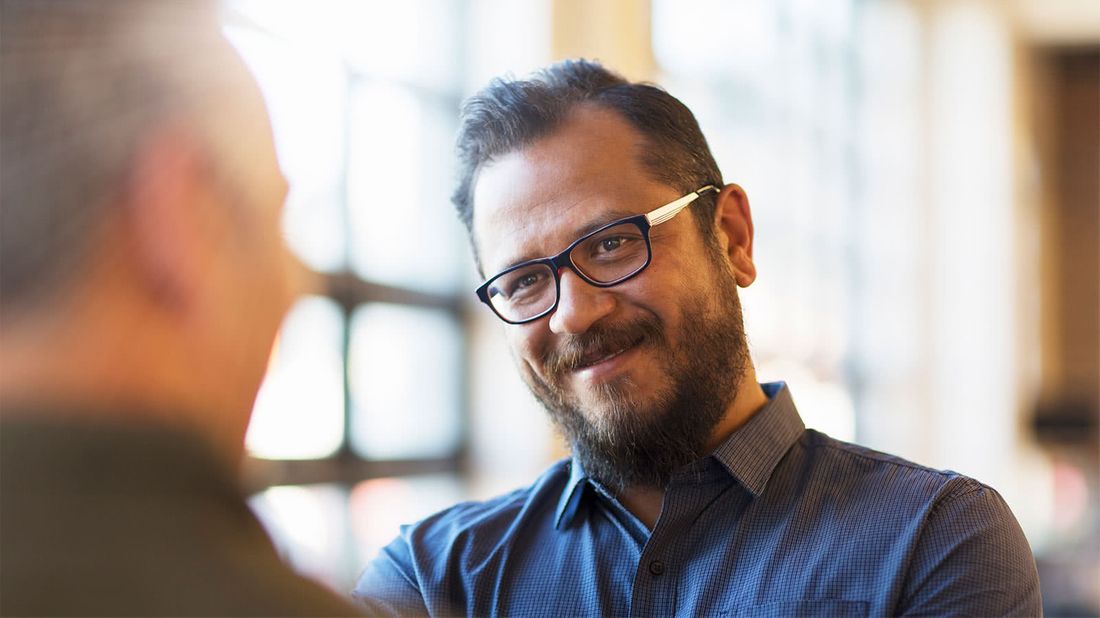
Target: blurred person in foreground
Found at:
614, 251
142, 281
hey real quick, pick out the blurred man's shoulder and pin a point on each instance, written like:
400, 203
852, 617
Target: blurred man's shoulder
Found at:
143, 519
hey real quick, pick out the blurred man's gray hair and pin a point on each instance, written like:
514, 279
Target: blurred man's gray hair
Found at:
81, 84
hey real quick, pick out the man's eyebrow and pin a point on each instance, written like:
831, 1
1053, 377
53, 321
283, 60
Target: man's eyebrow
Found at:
609, 216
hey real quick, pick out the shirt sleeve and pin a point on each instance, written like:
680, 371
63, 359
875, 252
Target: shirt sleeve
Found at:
972, 559
388, 585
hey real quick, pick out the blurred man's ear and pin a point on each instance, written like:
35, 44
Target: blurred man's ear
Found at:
734, 222
166, 206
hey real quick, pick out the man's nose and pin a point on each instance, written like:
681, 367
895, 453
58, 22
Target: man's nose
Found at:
580, 305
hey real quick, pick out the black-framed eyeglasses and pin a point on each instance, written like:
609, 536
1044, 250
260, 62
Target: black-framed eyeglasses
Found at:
604, 258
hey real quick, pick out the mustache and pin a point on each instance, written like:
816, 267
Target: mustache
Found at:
575, 351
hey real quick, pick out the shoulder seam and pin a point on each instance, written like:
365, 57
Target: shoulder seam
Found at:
880, 457
972, 486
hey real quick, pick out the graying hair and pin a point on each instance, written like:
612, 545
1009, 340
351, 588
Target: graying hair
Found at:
82, 83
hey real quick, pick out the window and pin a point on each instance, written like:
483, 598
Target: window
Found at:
366, 379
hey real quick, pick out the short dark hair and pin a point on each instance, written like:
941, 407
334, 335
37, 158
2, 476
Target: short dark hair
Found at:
510, 114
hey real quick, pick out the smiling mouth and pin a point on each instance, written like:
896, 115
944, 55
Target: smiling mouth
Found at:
601, 356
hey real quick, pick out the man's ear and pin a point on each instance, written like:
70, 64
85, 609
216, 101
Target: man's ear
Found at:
162, 208
734, 223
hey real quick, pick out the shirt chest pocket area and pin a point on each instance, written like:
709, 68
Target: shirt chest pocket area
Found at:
834, 608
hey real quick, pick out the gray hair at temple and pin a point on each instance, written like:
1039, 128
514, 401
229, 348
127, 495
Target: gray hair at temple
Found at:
509, 114
81, 85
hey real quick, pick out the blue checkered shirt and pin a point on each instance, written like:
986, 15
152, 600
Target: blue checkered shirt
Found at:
778, 521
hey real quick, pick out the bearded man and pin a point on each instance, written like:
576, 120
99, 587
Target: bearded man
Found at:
614, 252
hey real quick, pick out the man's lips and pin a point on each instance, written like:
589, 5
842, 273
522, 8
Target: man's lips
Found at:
597, 350
597, 357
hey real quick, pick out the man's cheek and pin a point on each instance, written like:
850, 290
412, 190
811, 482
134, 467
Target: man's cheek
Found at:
526, 351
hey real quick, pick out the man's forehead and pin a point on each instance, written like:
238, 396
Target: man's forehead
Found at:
531, 181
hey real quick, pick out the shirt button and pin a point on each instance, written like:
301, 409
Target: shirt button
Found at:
657, 567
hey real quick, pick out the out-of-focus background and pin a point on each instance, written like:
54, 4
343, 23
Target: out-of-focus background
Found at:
925, 182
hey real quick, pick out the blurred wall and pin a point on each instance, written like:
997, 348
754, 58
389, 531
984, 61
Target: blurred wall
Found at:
1066, 106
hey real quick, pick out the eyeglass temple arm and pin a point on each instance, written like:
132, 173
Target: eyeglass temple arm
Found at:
670, 210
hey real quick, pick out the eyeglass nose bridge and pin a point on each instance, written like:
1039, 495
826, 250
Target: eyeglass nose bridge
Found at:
561, 262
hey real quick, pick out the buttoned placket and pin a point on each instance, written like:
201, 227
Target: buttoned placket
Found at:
671, 543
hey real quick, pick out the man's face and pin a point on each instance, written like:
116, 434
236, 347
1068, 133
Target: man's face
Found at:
637, 375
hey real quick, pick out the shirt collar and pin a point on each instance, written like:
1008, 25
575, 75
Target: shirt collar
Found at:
749, 454
571, 496
752, 452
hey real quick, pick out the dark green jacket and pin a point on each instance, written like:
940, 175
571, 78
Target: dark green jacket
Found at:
100, 519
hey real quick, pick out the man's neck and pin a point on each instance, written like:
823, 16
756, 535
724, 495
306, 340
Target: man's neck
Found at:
749, 400
645, 503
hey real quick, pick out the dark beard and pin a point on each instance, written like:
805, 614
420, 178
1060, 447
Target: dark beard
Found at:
623, 446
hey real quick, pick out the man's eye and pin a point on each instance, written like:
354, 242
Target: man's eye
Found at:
527, 281
524, 285
612, 243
